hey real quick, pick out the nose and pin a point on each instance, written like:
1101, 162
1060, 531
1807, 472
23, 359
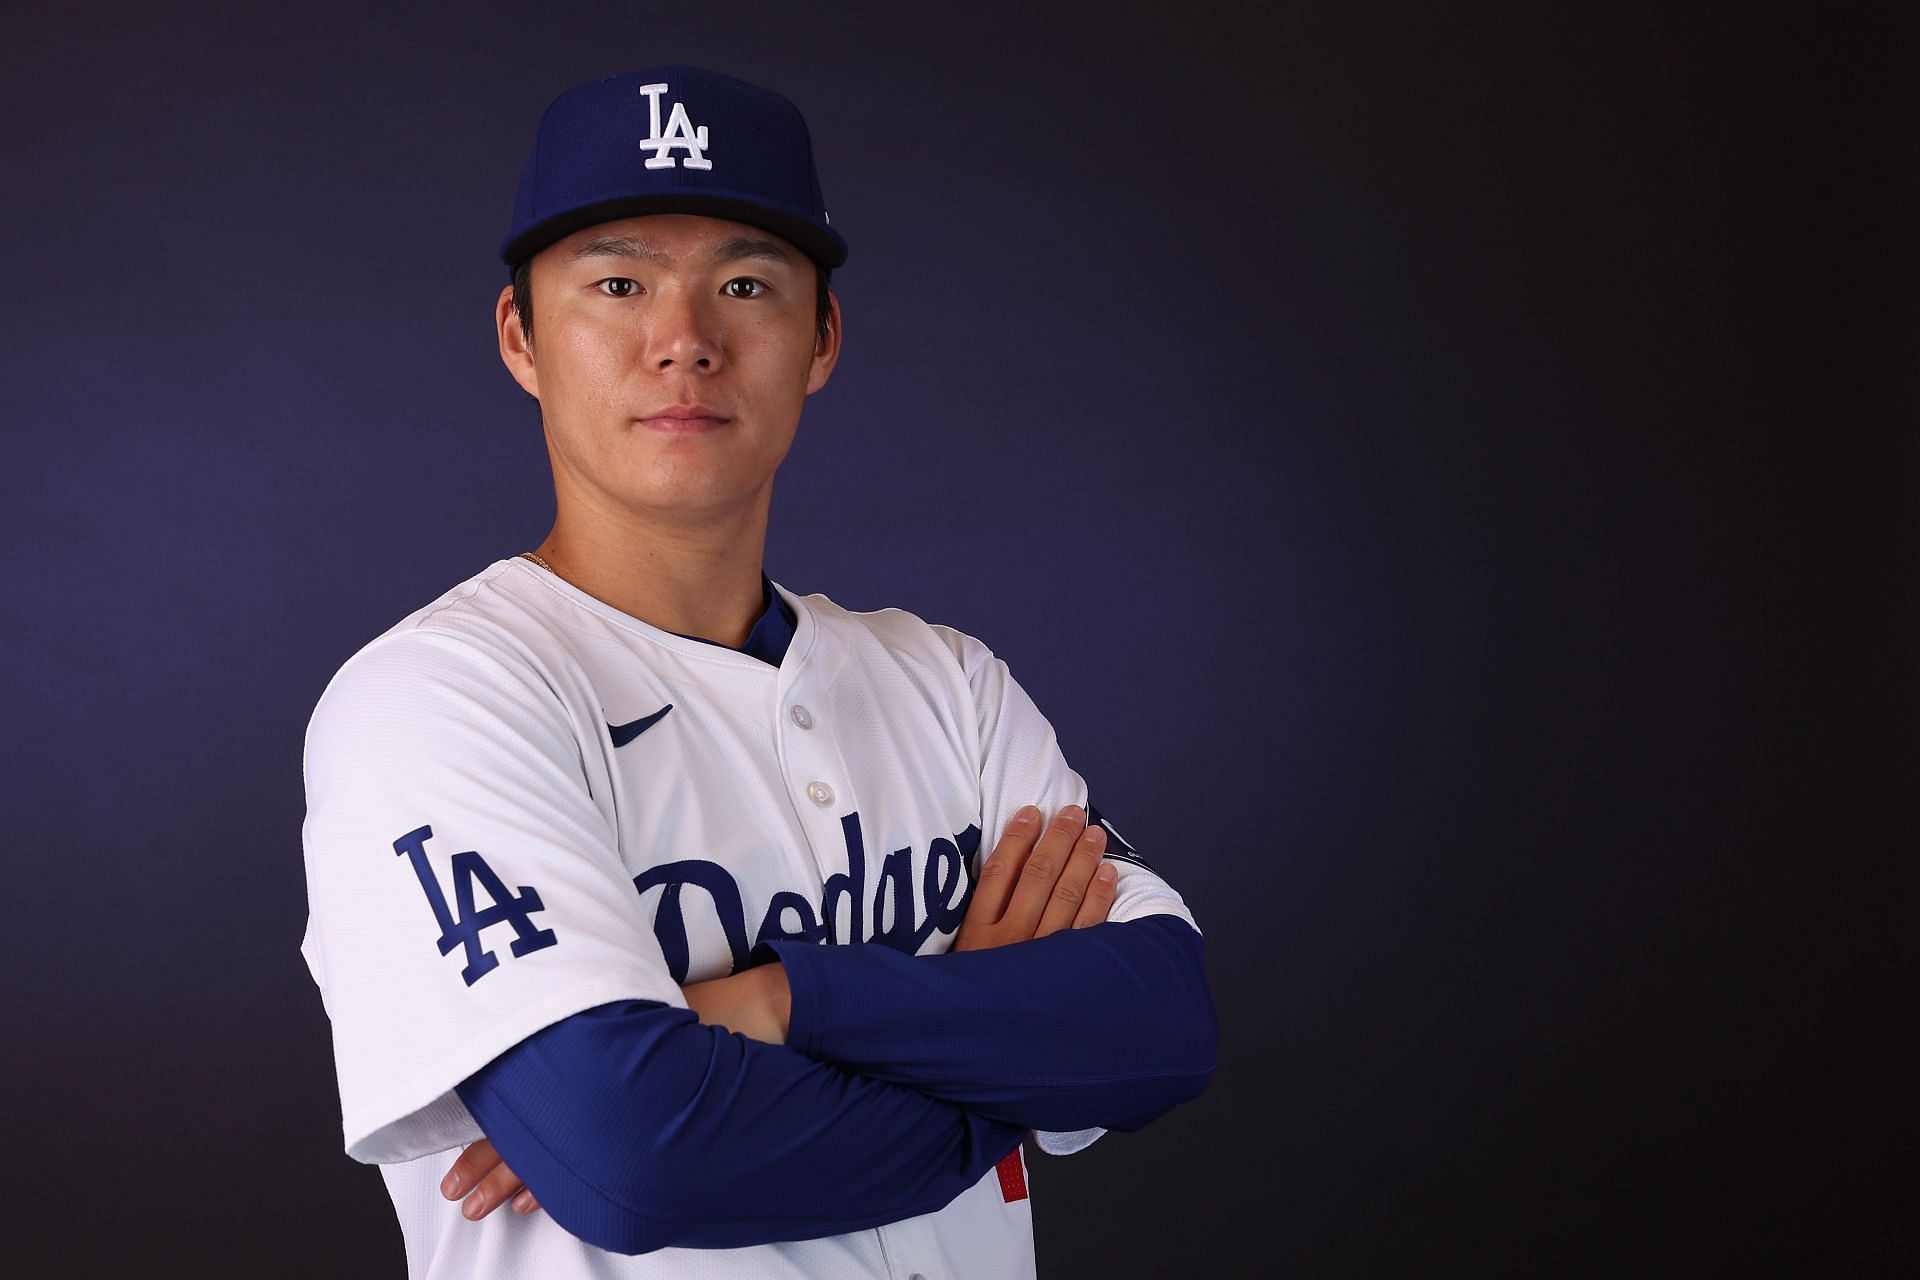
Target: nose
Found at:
683, 331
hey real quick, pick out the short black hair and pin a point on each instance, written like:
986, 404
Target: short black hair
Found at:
523, 299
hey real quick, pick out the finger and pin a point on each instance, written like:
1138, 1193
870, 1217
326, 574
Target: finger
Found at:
500, 1185
1033, 889
1070, 890
1100, 891
525, 1203
1002, 867
475, 1163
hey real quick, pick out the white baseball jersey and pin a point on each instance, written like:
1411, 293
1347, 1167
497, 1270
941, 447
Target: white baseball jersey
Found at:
483, 860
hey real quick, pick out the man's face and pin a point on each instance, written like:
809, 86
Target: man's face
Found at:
640, 316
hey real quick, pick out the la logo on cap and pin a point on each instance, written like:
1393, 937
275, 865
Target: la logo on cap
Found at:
680, 133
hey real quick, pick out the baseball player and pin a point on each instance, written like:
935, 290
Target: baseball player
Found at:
732, 932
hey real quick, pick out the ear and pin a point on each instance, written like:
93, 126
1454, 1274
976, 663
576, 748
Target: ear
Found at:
515, 351
826, 352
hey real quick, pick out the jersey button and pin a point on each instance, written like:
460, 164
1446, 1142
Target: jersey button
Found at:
820, 792
801, 716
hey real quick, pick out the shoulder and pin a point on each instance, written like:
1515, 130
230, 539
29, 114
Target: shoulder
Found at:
483, 636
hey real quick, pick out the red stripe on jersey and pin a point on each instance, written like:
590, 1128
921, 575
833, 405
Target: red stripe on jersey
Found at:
1013, 1176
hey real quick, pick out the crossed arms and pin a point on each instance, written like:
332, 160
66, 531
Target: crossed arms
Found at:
639, 1116
901, 1079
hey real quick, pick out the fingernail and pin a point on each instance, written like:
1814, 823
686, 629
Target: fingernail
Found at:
476, 1205
1073, 811
1107, 871
523, 1203
1025, 816
450, 1186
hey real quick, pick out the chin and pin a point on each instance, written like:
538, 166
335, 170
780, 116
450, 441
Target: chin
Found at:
691, 499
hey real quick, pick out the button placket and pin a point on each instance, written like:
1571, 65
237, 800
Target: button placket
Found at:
914, 1244
815, 772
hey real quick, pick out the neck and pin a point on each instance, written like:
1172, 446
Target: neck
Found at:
695, 580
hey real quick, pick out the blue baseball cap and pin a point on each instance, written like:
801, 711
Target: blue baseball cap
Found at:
671, 139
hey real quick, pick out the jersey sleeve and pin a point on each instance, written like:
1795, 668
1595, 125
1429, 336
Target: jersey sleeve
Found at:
1020, 764
464, 887
1111, 1025
640, 1128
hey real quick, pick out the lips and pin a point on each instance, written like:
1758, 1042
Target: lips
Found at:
687, 418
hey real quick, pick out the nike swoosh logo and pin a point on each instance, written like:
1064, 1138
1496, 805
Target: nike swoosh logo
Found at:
625, 733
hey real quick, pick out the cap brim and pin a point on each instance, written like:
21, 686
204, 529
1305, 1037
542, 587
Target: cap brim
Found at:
822, 246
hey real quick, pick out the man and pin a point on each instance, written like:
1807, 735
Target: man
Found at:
660, 884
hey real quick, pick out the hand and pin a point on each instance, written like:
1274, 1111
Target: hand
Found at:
481, 1171
1028, 889
756, 1003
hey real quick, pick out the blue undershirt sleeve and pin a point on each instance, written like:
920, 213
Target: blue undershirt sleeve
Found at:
638, 1127
1112, 1025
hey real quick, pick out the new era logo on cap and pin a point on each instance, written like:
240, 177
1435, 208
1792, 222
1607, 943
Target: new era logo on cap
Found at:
671, 140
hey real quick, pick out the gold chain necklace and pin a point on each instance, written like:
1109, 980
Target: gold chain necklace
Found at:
537, 560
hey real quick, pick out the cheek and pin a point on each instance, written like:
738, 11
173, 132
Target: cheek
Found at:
587, 364
790, 362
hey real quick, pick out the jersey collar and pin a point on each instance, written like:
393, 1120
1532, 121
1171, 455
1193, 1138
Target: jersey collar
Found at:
770, 636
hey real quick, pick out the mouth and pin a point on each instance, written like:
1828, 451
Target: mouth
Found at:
686, 419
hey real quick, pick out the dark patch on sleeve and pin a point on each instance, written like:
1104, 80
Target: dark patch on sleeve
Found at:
1117, 846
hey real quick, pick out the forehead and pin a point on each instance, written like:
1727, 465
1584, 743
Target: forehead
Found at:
672, 239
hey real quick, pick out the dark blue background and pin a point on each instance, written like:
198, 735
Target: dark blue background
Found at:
1380, 437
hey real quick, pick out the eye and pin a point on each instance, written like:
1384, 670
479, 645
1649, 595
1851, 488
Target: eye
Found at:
760, 285
617, 286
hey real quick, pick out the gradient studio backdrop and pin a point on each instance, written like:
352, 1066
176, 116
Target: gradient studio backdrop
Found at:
1327, 415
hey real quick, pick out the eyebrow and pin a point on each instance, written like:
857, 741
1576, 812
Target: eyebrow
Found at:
630, 247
